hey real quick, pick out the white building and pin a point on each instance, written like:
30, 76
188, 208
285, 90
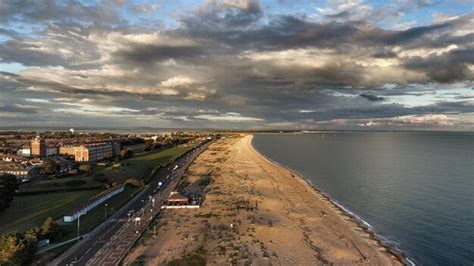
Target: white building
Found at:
25, 152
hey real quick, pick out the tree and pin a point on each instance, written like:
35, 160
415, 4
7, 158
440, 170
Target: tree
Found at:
16, 249
33, 235
147, 146
84, 168
134, 182
8, 186
50, 229
126, 153
50, 167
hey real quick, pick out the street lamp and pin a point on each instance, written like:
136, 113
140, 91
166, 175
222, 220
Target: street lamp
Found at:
79, 225
105, 211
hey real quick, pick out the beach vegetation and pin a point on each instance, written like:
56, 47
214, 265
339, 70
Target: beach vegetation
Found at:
196, 258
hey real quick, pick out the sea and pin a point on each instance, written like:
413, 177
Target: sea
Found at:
415, 190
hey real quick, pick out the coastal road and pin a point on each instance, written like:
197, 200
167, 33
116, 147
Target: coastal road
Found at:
110, 242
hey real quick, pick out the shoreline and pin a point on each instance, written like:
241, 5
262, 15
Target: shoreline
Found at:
361, 223
256, 212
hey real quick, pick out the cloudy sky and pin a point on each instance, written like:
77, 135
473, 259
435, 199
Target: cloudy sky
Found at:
241, 64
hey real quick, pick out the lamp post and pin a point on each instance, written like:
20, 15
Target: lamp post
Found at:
105, 211
79, 225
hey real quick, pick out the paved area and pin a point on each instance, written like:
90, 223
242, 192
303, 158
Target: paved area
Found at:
109, 243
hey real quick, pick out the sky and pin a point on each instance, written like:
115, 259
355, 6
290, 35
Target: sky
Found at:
238, 64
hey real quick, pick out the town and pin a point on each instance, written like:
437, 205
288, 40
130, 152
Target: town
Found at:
57, 186
29, 156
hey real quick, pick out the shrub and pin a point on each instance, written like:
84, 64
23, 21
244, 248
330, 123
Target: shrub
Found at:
134, 182
102, 180
73, 183
51, 230
126, 153
84, 168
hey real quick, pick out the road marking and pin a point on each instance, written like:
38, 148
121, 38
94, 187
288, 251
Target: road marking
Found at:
124, 236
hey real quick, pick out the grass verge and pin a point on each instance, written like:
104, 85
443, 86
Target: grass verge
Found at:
26, 212
97, 215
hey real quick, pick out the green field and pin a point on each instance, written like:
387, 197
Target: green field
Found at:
141, 166
29, 211
97, 215
136, 167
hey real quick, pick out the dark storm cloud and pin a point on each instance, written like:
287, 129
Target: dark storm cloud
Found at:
372, 98
384, 54
224, 15
16, 109
293, 32
28, 54
448, 67
144, 54
8, 74
229, 60
409, 35
58, 11
282, 32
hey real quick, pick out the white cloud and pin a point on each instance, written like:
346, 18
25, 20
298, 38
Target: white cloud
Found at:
95, 110
35, 100
342, 10
229, 117
178, 81
429, 120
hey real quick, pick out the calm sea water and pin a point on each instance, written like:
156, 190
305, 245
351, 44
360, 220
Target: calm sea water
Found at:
415, 189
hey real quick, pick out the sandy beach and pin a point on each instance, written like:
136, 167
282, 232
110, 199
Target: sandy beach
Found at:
255, 212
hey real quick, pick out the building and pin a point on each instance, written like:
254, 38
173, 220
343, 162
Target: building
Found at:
116, 147
67, 150
176, 198
93, 152
50, 151
22, 172
38, 147
24, 152
136, 148
92, 203
64, 165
